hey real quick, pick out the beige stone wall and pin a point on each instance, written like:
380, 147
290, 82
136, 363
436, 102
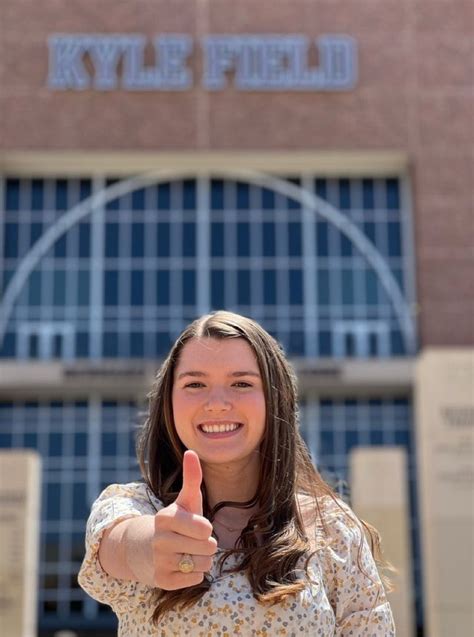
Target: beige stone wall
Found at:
444, 416
415, 94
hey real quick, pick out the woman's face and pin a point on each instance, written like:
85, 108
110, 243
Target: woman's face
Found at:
218, 400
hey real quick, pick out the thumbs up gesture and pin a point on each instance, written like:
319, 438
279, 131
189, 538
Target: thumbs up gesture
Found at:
180, 528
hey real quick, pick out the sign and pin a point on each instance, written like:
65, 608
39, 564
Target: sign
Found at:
255, 62
20, 486
445, 453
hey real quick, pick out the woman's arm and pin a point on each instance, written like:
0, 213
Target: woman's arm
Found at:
126, 550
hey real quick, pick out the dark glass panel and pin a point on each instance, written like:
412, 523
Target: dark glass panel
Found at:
189, 287
189, 239
136, 288
217, 289
163, 287
138, 239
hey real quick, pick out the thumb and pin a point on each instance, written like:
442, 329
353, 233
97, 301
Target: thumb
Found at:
190, 496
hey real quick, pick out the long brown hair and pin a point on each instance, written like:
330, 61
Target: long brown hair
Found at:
286, 471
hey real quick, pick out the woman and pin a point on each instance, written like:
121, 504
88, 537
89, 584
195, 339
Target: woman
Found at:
239, 534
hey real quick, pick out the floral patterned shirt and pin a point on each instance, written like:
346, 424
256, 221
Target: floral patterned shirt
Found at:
338, 600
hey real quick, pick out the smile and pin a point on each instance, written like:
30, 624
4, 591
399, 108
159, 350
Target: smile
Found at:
220, 429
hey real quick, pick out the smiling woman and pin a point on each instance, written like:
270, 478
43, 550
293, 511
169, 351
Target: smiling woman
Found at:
233, 529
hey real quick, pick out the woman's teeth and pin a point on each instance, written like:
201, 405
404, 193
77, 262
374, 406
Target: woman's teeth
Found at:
208, 429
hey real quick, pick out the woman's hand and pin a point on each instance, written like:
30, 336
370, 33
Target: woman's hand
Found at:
180, 528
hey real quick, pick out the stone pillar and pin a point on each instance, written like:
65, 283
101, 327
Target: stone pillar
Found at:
20, 482
379, 495
444, 408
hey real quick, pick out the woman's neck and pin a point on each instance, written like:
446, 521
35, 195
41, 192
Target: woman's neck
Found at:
230, 482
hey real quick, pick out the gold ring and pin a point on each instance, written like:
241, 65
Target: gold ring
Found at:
186, 564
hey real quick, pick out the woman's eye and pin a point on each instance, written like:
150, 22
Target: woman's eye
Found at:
194, 385
242, 383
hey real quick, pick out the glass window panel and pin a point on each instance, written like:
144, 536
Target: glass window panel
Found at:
138, 240
322, 244
85, 189
217, 194
346, 246
12, 194
296, 345
61, 194
217, 239
84, 240
295, 246
243, 287
57, 345
269, 287
59, 290
296, 287
80, 444
243, 196
394, 239
294, 204
163, 343
368, 197
217, 289
393, 194
55, 446
323, 287
189, 239
53, 498
82, 344
80, 504
110, 344
37, 194
189, 287
396, 343
268, 199
324, 338
321, 188
268, 239
136, 288
136, 344
243, 239
344, 194
36, 229
138, 199
111, 287
30, 441
9, 345
5, 440
60, 247
327, 443
373, 345
189, 194
163, 239
369, 230
34, 288
349, 345
10, 249
164, 197
109, 443
111, 239
83, 287
371, 287
163, 287
114, 204
347, 287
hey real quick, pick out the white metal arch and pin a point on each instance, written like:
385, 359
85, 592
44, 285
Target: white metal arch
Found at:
307, 200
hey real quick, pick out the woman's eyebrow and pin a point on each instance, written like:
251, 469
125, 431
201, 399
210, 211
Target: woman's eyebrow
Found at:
233, 374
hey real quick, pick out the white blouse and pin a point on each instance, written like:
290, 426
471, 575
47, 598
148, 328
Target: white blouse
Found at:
340, 599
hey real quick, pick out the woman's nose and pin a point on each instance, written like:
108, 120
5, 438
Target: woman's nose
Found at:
217, 401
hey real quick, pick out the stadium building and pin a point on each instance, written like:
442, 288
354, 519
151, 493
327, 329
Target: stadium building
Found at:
304, 163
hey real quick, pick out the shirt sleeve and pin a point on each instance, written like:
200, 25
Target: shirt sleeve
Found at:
354, 587
116, 503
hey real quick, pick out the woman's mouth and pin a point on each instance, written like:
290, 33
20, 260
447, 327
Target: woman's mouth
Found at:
220, 430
